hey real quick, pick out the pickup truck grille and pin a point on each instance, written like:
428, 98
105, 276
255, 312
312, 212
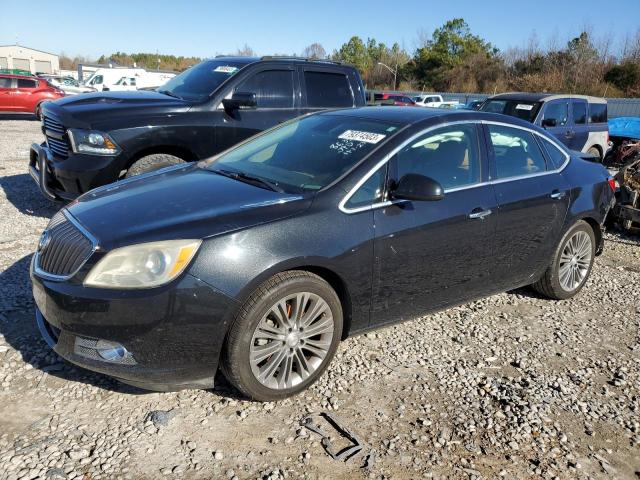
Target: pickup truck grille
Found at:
66, 249
55, 133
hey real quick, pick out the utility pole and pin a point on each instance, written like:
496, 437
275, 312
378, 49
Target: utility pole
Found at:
395, 72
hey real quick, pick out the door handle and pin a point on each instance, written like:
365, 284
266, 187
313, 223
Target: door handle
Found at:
557, 195
477, 213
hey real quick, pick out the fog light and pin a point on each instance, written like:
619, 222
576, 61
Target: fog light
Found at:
111, 351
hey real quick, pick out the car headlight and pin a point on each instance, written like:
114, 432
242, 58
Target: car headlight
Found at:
145, 265
93, 142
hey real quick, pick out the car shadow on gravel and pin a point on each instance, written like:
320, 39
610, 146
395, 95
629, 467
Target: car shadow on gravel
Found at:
19, 329
18, 116
23, 193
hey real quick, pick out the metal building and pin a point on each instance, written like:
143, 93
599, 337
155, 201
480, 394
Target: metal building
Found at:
17, 57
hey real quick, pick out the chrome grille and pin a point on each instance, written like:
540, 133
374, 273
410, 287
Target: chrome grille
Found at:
56, 139
65, 250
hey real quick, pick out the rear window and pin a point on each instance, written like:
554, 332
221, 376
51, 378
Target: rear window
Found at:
524, 110
579, 113
26, 83
326, 89
597, 113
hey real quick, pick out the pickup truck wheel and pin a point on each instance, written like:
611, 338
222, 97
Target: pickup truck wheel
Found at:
284, 336
153, 162
571, 265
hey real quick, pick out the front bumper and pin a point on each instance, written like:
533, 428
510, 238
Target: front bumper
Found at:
174, 334
67, 178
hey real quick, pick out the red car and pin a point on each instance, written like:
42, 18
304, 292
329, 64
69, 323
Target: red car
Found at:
21, 94
396, 99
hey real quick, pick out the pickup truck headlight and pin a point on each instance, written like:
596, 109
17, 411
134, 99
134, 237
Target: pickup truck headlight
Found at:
145, 265
92, 142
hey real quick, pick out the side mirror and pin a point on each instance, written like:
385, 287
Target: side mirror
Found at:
417, 187
239, 100
549, 122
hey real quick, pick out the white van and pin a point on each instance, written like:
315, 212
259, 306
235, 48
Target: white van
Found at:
118, 79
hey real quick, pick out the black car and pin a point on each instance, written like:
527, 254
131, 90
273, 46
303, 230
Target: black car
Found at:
96, 139
262, 259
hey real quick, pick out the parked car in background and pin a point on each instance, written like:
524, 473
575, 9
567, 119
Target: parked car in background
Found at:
578, 121
106, 136
261, 260
22, 94
106, 78
69, 85
433, 101
395, 99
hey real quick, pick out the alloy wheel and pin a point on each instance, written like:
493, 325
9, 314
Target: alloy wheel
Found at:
575, 261
291, 341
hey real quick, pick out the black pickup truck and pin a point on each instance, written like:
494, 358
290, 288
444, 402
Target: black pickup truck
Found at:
95, 139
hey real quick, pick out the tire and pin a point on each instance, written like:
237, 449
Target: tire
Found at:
595, 151
554, 283
281, 368
153, 162
38, 110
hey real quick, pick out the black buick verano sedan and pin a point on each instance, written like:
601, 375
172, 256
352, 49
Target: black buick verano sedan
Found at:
261, 259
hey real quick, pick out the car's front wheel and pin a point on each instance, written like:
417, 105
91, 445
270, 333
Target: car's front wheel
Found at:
572, 263
284, 336
151, 163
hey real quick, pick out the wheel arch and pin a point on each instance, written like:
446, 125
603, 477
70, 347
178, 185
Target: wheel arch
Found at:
176, 150
597, 231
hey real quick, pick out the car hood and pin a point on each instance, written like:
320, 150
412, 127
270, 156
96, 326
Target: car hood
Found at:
178, 202
92, 109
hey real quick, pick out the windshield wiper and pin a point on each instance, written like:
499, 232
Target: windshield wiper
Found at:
247, 178
169, 93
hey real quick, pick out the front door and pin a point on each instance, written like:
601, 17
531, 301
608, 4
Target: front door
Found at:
533, 199
276, 103
555, 119
429, 254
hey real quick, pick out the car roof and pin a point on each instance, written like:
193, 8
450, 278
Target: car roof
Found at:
543, 97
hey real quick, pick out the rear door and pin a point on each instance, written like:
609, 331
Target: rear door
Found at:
533, 199
557, 111
276, 90
24, 98
6, 94
579, 124
325, 87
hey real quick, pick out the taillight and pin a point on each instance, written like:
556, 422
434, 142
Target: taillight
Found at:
612, 183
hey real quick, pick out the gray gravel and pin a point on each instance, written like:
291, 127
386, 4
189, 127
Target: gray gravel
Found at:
513, 386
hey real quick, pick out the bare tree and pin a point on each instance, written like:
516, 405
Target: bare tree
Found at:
315, 51
245, 51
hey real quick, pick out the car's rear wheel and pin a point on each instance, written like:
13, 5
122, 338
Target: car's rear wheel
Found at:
595, 151
152, 162
284, 337
572, 263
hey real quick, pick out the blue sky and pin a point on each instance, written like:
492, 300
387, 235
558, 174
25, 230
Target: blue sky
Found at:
205, 28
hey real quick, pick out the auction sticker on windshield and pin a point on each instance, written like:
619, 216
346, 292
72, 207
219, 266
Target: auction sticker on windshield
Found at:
225, 69
524, 106
367, 137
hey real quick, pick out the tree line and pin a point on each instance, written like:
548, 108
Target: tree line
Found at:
454, 59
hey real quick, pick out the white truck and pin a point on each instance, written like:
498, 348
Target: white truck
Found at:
120, 79
431, 100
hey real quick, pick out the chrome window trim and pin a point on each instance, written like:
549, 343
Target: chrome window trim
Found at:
342, 205
60, 278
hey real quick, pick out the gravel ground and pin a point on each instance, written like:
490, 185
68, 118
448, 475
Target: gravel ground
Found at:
513, 386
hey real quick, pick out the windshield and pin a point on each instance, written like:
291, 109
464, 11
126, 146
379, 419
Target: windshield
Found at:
515, 108
307, 154
199, 81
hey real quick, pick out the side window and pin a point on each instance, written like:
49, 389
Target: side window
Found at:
273, 88
556, 156
579, 113
5, 82
516, 152
597, 113
558, 111
448, 154
370, 192
26, 83
326, 90
97, 80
